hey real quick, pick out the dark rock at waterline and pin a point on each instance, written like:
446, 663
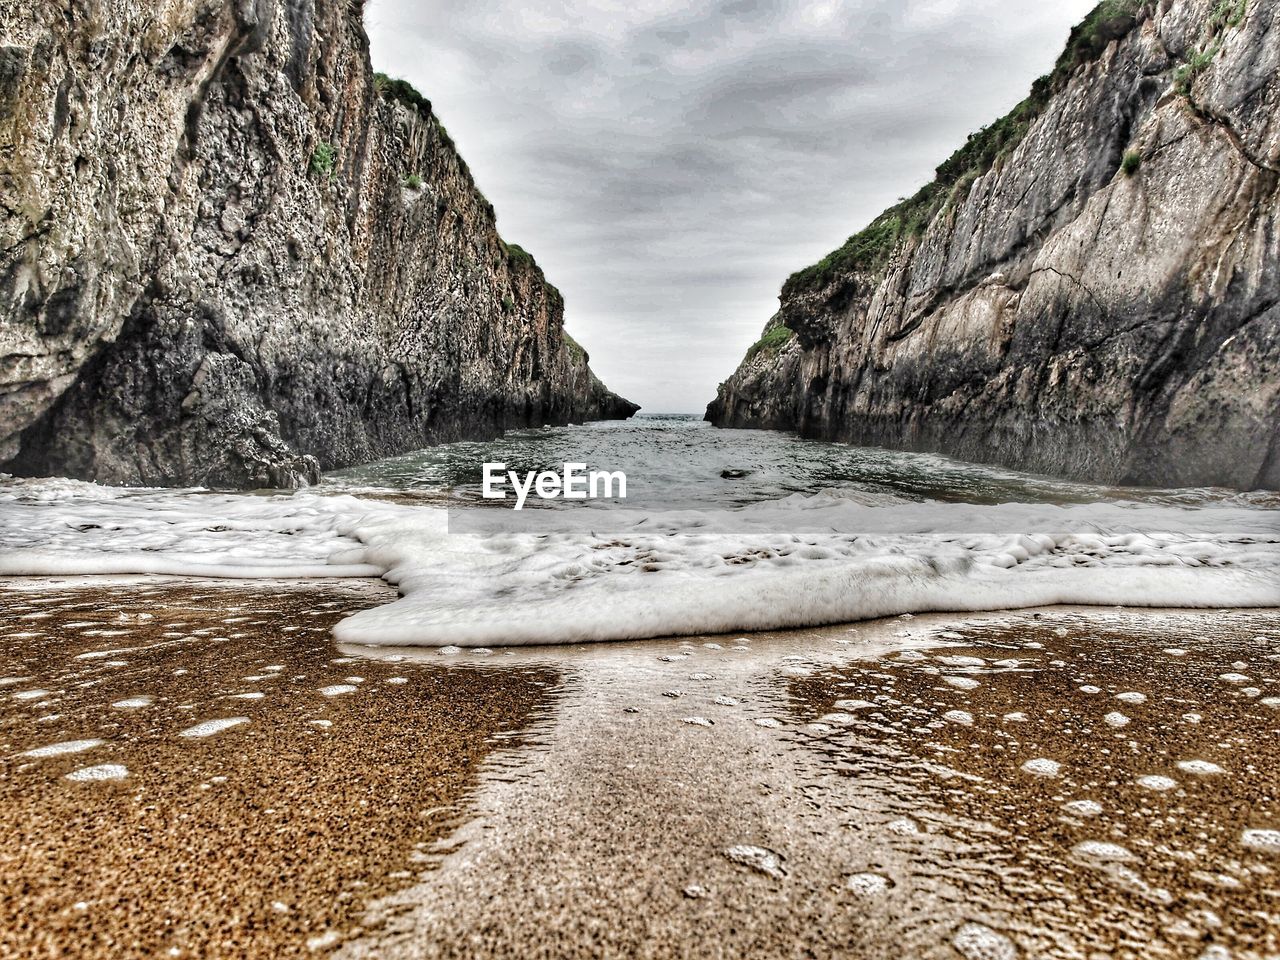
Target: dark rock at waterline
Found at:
1090, 289
232, 257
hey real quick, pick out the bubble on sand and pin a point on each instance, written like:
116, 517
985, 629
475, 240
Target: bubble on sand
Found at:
1199, 767
1267, 841
1090, 688
10, 681
673, 694
209, 727
134, 703
397, 681
1016, 717
246, 696
700, 677
1233, 677
1042, 767
449, 651
868, 884
910, 655
848, 706
903, 828
338, 689
1272, 702
958, 661
839, 719
103, 771
1083, 808
1132, 696
1156, 782
961, 683
30, 694
59, 749
1192, 717
1116, 720
724, 701
1175, 652
324, 940
961, 717
767, 722
757, 858
695, 891
974, 941
699, 721
1101, 851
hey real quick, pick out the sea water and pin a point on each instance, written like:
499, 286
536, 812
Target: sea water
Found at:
722, 530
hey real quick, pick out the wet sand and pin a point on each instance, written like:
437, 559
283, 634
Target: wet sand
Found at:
938, 786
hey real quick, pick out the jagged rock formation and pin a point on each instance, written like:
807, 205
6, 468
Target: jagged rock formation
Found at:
231, 255
1090, 287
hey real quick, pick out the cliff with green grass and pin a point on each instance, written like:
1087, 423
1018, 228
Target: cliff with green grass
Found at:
233, 255
1088, 287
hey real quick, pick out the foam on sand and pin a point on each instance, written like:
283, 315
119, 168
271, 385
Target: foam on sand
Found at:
210, 727
798, 561
61, 749
103, 771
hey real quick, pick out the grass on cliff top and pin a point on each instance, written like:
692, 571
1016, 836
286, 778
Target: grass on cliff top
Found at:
772, 340
575, 349
870, 248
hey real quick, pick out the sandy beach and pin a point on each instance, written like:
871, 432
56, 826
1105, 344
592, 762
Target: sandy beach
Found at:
1049, 783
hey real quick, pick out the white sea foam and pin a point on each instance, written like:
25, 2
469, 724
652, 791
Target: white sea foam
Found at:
60, 749
1268, 841
1201, 768
338, 689
839, 557
134, 703
975, 941
868, 884
1042, 767
757, 858
1083, 808
210, 727
103, 771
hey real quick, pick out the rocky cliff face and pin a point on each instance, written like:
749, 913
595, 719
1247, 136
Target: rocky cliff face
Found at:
232, 255
1089, 289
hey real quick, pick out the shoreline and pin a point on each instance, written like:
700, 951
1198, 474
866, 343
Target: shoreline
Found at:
582, 799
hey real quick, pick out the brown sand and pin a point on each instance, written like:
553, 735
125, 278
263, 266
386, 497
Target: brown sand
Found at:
845, 792
247, 843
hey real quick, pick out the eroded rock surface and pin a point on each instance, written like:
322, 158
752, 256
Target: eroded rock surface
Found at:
1100, 302
229, 257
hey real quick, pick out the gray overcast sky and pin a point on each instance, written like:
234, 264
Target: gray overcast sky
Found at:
670, 164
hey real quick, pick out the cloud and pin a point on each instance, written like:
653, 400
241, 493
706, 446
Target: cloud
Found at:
669, 166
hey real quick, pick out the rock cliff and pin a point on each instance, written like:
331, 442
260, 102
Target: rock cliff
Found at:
233, 255
1090, 286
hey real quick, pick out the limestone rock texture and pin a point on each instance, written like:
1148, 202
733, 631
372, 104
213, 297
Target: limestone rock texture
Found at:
228, 258
1101, 303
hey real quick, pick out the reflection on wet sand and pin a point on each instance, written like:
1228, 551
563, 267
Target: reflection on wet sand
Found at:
931, 786
195, 771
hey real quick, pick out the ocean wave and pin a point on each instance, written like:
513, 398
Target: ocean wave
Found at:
796, 561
